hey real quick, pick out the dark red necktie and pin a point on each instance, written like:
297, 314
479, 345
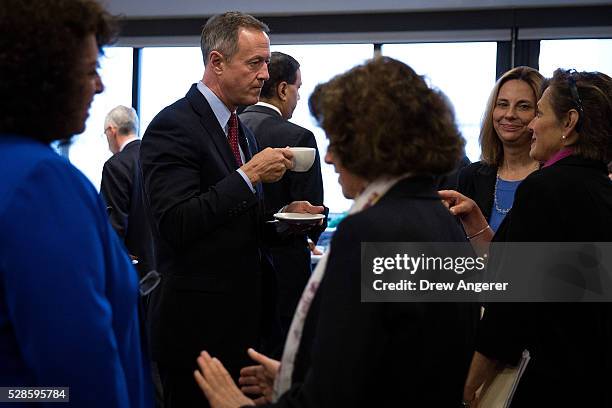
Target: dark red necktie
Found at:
232, 137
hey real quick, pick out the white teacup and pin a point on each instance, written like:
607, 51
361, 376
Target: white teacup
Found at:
303, 157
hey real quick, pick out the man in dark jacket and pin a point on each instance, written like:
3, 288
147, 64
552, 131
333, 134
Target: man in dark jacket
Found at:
121, 187
203, 175
269, 121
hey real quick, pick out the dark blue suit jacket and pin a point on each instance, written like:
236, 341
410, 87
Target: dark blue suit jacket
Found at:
208, 235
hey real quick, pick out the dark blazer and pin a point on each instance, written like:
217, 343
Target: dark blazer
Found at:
271, 130
384, 354
122, 190
570, 344
207, 235
477, 181
449, 181
291, 255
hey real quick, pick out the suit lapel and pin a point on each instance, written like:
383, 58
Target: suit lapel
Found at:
211, 126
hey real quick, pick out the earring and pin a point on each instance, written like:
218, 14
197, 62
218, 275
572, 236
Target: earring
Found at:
562, 137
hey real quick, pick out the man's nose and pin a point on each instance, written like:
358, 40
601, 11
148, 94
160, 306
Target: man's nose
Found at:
264, 75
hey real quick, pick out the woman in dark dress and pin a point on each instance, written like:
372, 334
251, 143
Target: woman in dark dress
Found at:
568, 200
390, 135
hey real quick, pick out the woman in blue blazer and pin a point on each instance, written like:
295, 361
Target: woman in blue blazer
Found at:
68, 291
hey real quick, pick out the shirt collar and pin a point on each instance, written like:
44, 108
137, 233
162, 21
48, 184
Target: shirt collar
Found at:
561, 154
269, 105
127, 142
218, 107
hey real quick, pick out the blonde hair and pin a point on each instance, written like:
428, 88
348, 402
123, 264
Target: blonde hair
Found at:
492, 150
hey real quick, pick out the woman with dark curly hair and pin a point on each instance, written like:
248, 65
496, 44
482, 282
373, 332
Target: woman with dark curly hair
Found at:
568, 200
68, 292
390, 135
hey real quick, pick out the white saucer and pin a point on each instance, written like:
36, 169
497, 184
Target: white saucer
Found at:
299, 218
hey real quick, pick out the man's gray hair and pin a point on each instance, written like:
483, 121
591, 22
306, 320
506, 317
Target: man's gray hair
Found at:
220, 33
124, 119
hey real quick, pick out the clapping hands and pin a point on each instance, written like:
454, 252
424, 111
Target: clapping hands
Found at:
259, 379
222, 392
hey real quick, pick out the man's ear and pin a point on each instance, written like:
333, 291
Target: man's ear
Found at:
113, 131
216, 61
281, 90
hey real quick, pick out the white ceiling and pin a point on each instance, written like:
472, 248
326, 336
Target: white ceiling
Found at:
194, 8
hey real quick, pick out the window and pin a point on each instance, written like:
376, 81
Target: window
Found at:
168, 72
465, 72
89, 150
582, 55
166, 75
319, 63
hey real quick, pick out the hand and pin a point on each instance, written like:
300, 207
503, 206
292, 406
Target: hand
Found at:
313, 248
268, 166
303, 207
482, 371
465, 208
457, 203
259, 379
471, 401
217, 384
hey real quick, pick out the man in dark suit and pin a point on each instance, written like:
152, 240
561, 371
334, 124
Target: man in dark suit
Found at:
122, 191
202, 175
121, 187
268, 119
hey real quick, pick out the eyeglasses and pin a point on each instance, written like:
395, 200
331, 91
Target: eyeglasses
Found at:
106, 129
575, 96
149, 282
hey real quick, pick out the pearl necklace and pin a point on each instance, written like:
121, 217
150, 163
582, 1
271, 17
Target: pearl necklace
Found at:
500, 210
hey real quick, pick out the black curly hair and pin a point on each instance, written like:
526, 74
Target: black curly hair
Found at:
40, 45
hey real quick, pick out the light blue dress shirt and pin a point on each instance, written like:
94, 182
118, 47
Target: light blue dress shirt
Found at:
223, 115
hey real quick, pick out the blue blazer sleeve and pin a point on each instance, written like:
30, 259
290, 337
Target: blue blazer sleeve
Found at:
71, 294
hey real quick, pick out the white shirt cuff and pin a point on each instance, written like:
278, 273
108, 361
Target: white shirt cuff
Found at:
246, 180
